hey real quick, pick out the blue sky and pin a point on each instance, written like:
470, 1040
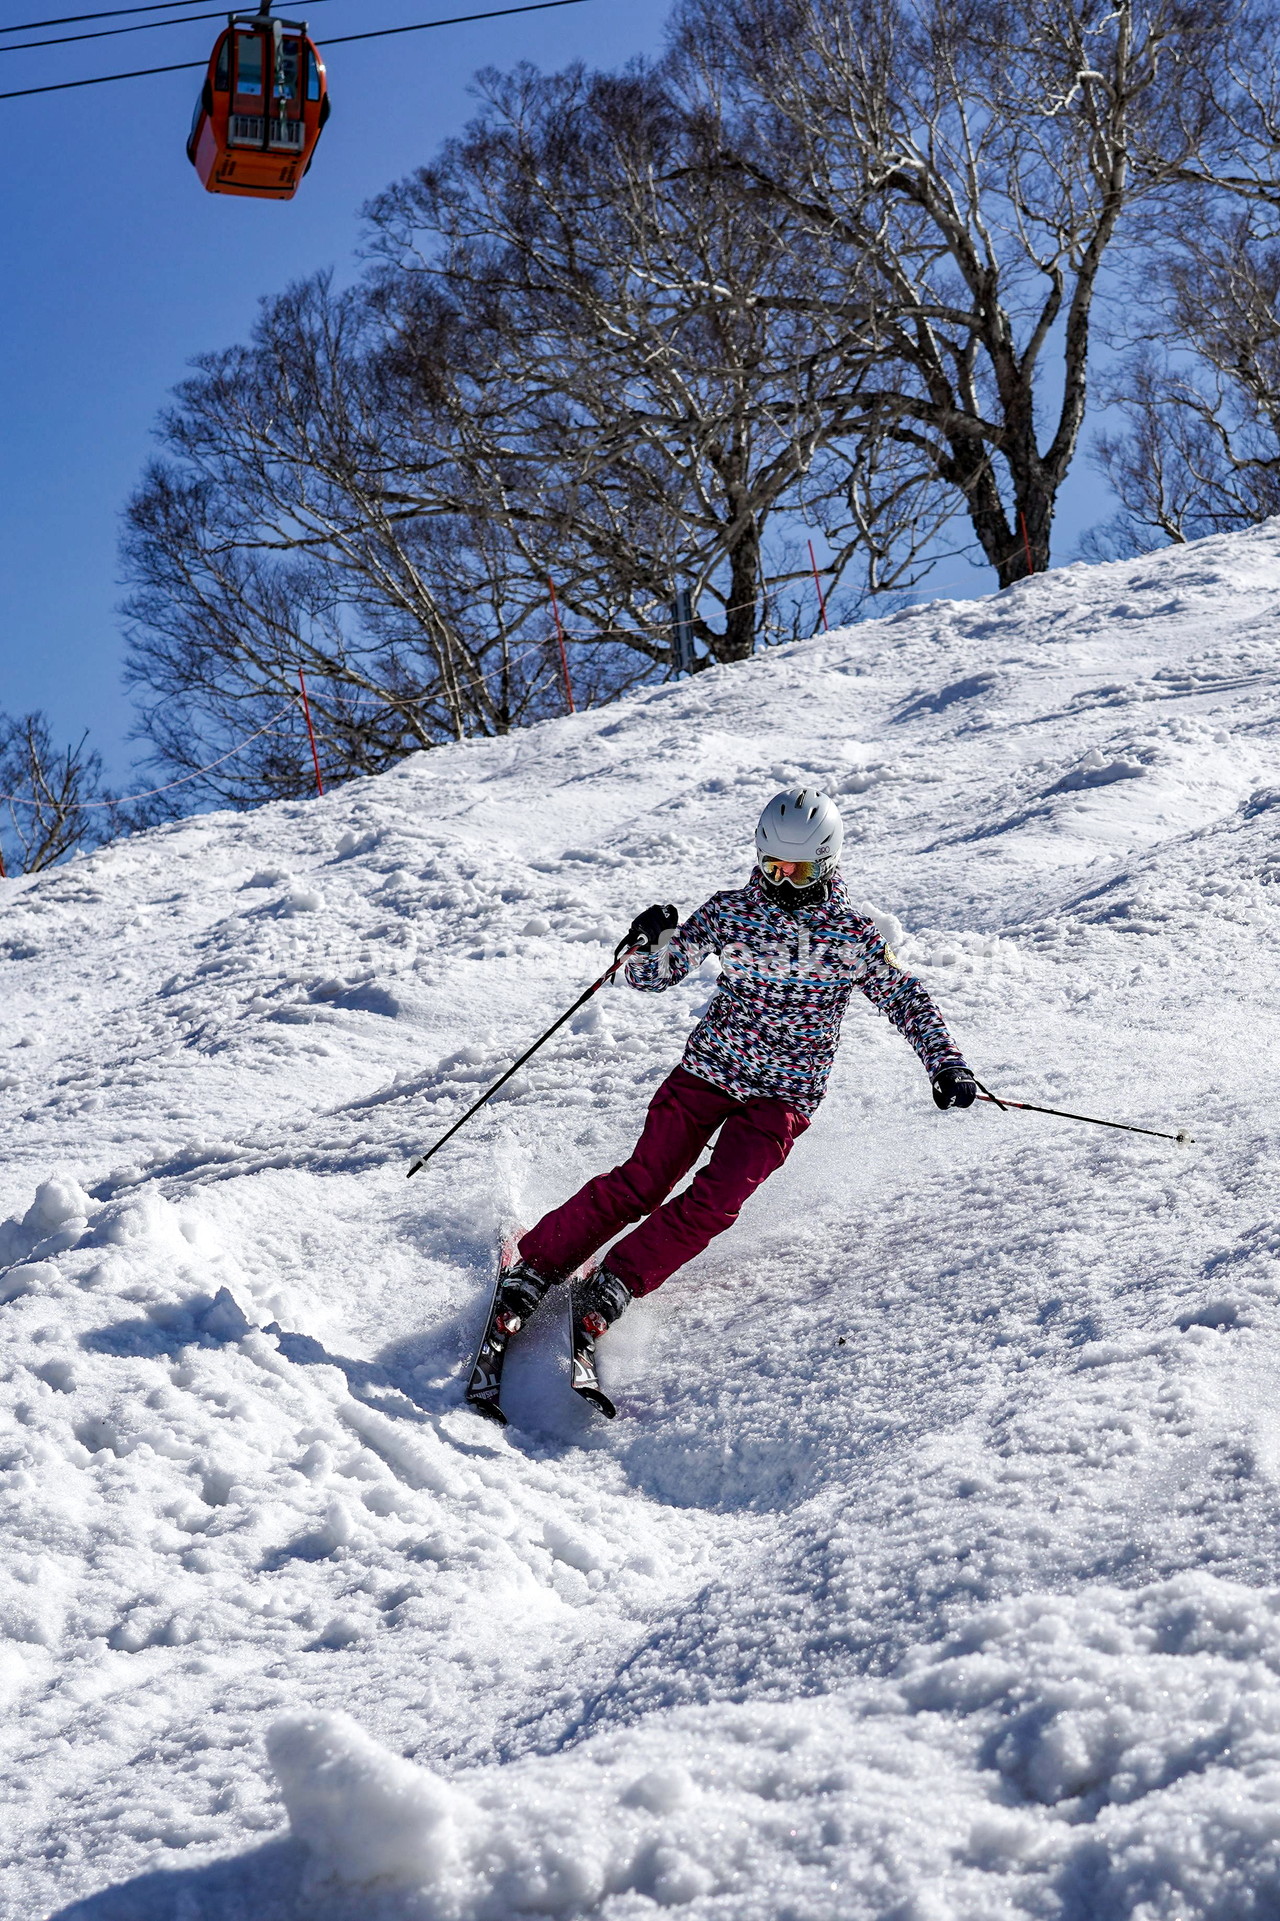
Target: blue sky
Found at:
118, 269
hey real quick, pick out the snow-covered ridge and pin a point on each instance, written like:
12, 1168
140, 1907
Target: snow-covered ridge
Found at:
930, 1570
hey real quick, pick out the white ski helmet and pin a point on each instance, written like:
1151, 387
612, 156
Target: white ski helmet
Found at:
800, 825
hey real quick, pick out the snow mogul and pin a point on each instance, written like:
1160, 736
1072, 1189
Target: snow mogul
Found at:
755, 1067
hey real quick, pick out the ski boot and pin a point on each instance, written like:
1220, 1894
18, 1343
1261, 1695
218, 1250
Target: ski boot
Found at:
520, 1289
597, 1303
516, 1296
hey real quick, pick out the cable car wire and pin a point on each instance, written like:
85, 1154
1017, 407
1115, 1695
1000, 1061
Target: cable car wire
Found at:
109, 33
74, 19
377, 33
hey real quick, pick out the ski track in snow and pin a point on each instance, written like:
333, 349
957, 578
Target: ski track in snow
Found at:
930, 1572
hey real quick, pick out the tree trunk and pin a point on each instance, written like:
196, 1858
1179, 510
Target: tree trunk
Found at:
738, 642
1015, 543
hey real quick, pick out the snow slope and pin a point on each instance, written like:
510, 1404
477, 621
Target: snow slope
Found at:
931, 1568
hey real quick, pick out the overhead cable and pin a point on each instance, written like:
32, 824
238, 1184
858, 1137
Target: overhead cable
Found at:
74, 19
110, 33
377, 33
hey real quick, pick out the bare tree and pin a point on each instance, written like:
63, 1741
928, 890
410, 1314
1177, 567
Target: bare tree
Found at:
579, 357
53, 799
974, 163
680, 375
292, 526
1200, 452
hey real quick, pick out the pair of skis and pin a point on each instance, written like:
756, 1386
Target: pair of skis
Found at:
484, 1389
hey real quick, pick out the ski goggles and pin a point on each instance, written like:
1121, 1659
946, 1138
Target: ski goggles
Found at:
803, 872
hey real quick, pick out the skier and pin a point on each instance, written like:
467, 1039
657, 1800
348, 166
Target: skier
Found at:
791, 950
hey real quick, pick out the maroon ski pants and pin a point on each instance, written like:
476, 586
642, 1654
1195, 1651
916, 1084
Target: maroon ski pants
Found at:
755, 1138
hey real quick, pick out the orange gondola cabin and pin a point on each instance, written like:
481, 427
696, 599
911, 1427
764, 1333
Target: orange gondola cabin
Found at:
261, 109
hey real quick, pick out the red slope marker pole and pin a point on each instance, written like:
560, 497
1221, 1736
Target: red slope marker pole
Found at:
1026, 542
826, 628
564, 658
528, 1054
311, 733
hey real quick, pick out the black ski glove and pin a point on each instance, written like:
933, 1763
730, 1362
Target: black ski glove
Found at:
647, 929
954, 1087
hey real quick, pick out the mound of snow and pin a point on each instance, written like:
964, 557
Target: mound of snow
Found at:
363, 1814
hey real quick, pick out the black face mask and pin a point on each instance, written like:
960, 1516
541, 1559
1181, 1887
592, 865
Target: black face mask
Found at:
782, 894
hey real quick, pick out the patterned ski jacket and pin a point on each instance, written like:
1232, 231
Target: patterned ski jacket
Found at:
774, 1021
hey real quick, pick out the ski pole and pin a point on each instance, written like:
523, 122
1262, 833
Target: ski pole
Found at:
1062, 1114
528, 1054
